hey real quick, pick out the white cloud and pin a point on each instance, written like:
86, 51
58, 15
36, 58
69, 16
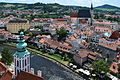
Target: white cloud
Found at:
20, 0
2, 0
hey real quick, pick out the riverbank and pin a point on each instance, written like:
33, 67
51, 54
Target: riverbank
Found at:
59, 62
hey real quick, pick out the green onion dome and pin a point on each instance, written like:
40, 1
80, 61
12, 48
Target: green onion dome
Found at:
21, 45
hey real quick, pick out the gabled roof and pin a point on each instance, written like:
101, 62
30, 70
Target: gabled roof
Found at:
28, 76
114, 67
84, 14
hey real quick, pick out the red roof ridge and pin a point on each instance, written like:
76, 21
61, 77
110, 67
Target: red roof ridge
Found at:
6, 68
22, 76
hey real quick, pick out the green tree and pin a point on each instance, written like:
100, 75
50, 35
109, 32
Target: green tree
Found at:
7, 57
118, 71
30, 34
62, 33
39, 27
99, 67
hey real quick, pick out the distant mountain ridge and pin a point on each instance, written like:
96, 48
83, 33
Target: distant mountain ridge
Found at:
52, 7
107, 6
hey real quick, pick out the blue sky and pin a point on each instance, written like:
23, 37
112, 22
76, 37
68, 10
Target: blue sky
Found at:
69, 2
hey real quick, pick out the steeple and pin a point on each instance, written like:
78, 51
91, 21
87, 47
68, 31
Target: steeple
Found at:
91, 6
91, 11
21, 56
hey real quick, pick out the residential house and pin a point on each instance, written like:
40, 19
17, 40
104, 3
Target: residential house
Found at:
55, 45
60, 21
41, 22
114, 66
81, 56
5, 35
102, 29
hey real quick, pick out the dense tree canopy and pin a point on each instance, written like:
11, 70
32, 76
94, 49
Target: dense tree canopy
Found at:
62, 33
7, 57
100, 66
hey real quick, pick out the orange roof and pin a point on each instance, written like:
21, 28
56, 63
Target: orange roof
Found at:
28, 76
112, 46
73, 15
114, 67
83, 53
5, 75
93, 53
91, 57
84, 44
97, 22
56, 44
42, 40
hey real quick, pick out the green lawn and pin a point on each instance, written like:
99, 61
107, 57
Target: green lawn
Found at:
20, 8
106, 9
57, 57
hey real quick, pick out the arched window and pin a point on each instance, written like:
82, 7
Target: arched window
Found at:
25, 62
17, 63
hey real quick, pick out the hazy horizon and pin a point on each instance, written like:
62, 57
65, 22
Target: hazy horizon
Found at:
69, 2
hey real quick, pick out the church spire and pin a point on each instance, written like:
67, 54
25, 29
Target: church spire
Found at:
91, 6
91, 11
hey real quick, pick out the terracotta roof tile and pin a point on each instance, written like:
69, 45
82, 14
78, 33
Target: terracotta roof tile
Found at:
6, 73
91, 57
115, 35
114, 67
28, 76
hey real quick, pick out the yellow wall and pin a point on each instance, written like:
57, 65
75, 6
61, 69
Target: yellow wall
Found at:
15, 27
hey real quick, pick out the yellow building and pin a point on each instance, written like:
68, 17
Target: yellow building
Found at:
16, 24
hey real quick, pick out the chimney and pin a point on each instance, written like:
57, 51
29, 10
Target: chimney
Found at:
39, 73
32, 70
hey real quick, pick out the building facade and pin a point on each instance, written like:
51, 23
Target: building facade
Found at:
16, 24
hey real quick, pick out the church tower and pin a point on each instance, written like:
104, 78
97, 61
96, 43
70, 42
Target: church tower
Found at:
21, 56
92, 12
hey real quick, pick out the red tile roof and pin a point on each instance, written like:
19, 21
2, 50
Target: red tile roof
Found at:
115, 35
55, 44
28, 76
83, 53
114, 67
73, 15
6, 73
